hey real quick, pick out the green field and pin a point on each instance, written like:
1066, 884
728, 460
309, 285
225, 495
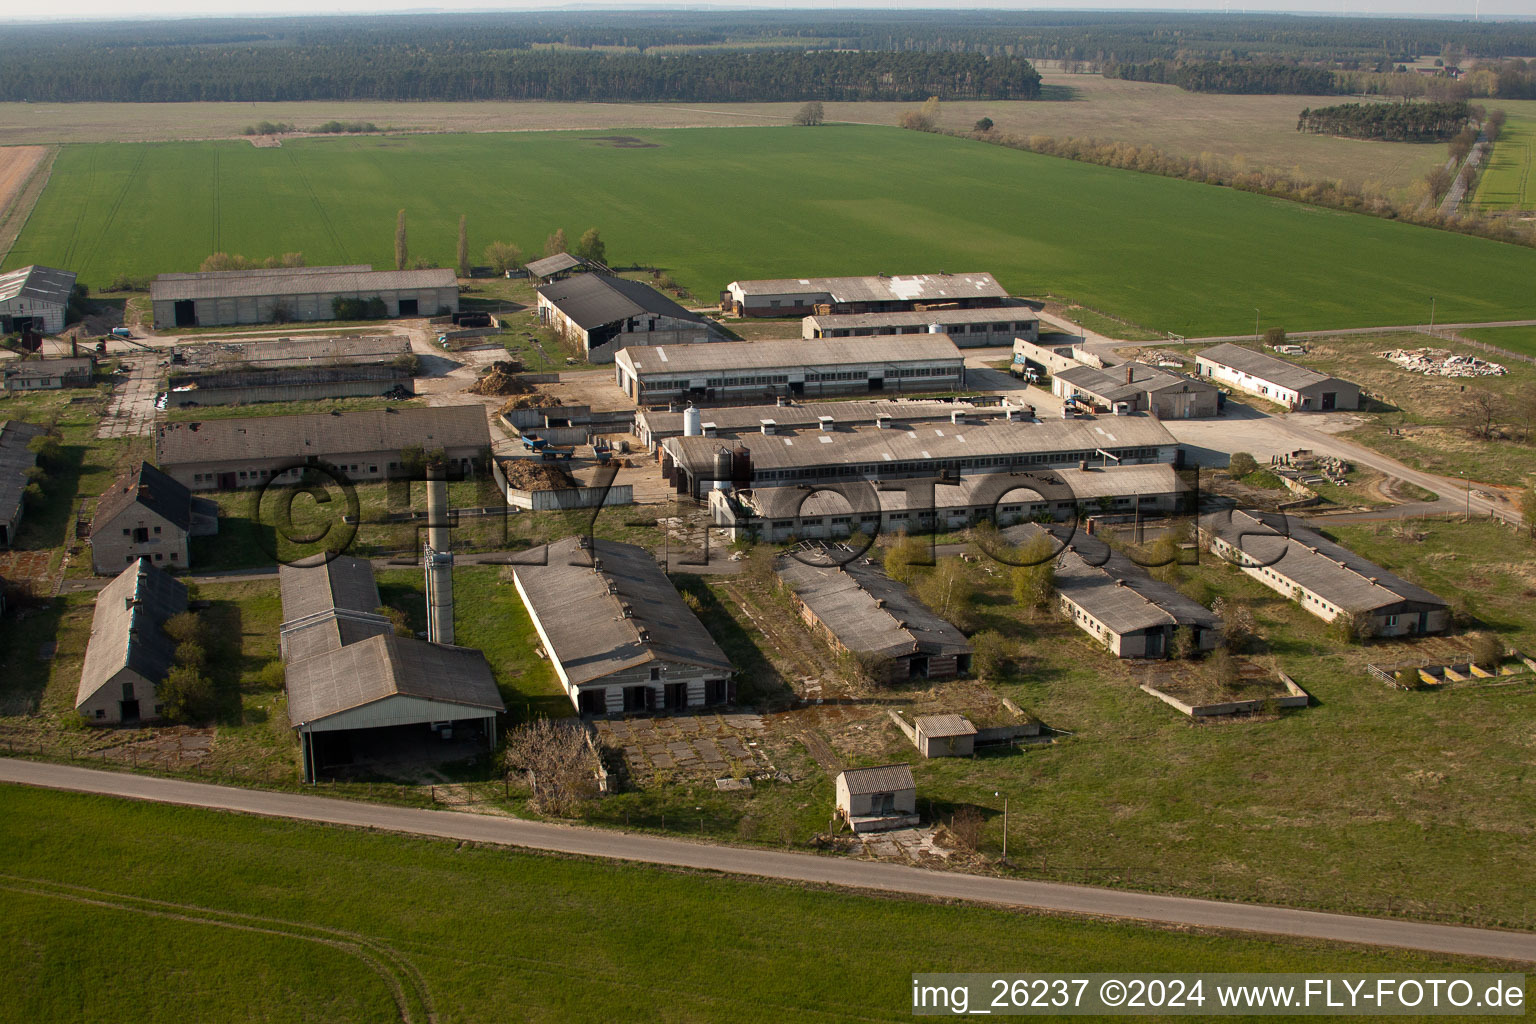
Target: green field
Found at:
1515, 339
230, 918
1507, 182
711, 205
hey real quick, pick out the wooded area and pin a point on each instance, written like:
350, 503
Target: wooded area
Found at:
1398, 122
1227, 77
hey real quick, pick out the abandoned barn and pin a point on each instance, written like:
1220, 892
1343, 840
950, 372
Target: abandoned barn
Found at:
877, 799
35, 299
1138, 387
1325, 578
653, 426
225, 454
862, 611
778, 514
16, 457
147, 514
559, 266
327, 603
882, 293
277, 295
758, 372
617, 632
967, 328
49, 374
1279, 380
128, 654
284, 353
991, 447
603, 314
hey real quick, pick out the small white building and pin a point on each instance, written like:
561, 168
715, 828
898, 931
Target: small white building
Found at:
34, 299
1280, 381
945, 736
877, 799
879, 293
967, 328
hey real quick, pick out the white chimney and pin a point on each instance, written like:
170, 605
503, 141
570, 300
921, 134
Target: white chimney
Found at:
439, 560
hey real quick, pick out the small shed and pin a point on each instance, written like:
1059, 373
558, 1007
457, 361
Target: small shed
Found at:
945, 736
877, 799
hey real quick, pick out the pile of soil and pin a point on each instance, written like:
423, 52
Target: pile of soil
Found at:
501, 379
535, 475
530, 399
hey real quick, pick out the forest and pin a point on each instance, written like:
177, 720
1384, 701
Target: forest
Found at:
710, 55
1394, 122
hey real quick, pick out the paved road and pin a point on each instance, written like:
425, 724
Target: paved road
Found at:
796, 867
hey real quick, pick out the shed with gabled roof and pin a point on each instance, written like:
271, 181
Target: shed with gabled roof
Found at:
878, 798
129, 654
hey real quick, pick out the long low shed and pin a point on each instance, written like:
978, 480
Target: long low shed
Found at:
653, 426
967, 328
298, 293
1283, 382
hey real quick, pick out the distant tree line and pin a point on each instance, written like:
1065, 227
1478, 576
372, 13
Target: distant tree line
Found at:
1396, 122
1232, 77
1504, 80
257, 74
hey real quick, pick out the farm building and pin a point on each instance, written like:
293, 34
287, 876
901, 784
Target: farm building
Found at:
224, 454
778, 514
146, 514
617, 632
877, 799
603, 314
1047, 360
754, 372
967, 328
862, 611
128, 654
882, 293
559, 266
1282, 382
1137, 387
1325, 578
357, 692
1119, 603
15, 459
49, 374
297, 293
944, 735
34, 299
653, 426
995, 447
287, 353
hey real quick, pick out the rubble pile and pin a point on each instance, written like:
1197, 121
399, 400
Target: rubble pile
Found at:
535, 475
529, 399
1437, 362
501, 379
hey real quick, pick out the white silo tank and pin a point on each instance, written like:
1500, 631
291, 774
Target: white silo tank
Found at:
692, 425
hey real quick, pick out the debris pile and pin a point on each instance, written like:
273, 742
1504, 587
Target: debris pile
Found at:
501, 379
535, 475
529, 399
1437, 362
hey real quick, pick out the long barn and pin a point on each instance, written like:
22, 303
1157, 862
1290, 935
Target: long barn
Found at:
214, 298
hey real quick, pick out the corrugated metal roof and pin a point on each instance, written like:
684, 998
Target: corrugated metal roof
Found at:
15, 459
1264, 366
295, 351
991, 314
254, 283
592, 300
315, 585
749, 418
793, 354
151, 488
871, 446
321, 435
554, 264
942, 726
582, 611
1304, 557
62, 367
39, 284
1110, 384
882, 288
885, 778
869, 612
125, 627
214, 275
386, 666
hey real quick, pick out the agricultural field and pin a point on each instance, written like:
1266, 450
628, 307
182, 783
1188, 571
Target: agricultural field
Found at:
1509, 181
1515, 339
1164, 254
274, 920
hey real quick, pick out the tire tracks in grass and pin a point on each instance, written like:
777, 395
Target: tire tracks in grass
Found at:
213, 240
74, 230
400, 975
117, 204
325, 218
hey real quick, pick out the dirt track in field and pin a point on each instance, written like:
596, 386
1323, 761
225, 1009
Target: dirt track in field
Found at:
17, 164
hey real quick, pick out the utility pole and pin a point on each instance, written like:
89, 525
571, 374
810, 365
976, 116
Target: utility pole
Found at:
1468, 484
1255, 325
1431, 314
1005, 826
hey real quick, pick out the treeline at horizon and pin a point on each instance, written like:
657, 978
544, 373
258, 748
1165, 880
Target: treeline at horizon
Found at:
1394, 122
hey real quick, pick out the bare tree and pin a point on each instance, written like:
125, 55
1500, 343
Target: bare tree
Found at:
811, 113
1482, 413
402, 252
554, 758
555, 244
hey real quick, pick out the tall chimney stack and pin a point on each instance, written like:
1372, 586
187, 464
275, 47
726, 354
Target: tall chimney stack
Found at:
439, 560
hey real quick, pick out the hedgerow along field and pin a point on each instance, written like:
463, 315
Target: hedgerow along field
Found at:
712, 205
1509, 180
337, 919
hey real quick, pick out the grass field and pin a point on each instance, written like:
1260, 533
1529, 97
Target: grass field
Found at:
236, 919
1507, 182
1515, 339
712, 205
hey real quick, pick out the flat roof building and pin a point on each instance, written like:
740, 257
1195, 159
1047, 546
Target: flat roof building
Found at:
617, 632
653, 426
1325, 578
297, 293
285, 353
225, 454
602, 314
1138, 387
879, 293
129, 654
35, 299
1280, 381
861, 610
967, 328
755, 372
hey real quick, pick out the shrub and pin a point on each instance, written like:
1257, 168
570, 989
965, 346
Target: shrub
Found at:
992, 656
902, 558
965, 826
185, 628
554, 758
1221, 669
1487, 651
1274, 336
1354, 628
1241, 465
1034, 584
187, 695
810, 114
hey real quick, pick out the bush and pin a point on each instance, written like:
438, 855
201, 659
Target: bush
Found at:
810, 114
991, 656
902, 558
1354, 628
185, 628
554, 758
965, 826
1274, 336
191, 654
1240, 465
1221, 669
1035, 584
187, 695
1487, 651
